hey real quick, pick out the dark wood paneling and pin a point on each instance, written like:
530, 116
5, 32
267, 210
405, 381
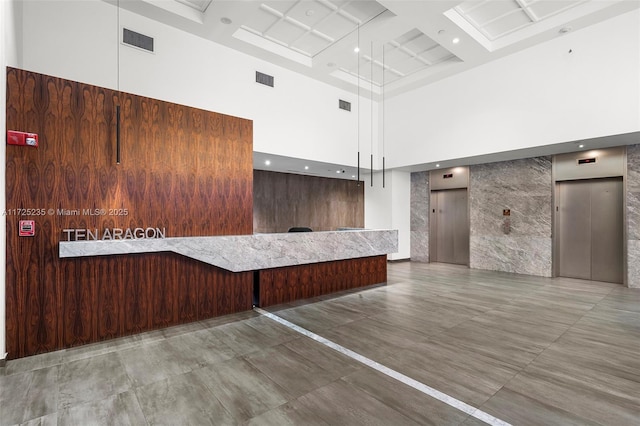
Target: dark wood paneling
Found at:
284, 200
182, 168
283, 285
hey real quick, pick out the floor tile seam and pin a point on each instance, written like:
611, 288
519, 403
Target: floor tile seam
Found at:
347, 383
132, 381
537, 400
424, 336
325, 419
357, 366
166, 379
341, 324
137, 400
94, 401
533, 360
39, 367
24, 408
431, 392
603, 300
31, 370
565, 378
24, 421
592, 391
281, 389
129, 387
506, 335
620, 310
372, 318
296, 397
380, 400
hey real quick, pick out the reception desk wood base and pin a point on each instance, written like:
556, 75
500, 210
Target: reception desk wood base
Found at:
121, 295
283, 285
110, 289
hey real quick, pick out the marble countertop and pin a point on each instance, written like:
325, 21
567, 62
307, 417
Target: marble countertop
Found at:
240, 253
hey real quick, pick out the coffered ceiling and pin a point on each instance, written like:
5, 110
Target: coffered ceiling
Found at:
382, 48
403, 44
496, 19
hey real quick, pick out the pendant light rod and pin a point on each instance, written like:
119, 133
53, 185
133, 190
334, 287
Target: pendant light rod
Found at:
118, 147
118, 48
383, 117
371, 119
358, 121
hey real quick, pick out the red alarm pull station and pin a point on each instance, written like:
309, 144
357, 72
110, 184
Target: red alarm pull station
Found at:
27, 228
22, 138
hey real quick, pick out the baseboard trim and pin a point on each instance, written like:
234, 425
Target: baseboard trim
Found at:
399, 260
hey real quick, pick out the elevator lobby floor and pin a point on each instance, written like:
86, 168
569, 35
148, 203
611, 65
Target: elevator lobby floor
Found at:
499, 347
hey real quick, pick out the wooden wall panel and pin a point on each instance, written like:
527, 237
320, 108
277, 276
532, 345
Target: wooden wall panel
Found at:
283, 200
109, 299
287, 284
182, 168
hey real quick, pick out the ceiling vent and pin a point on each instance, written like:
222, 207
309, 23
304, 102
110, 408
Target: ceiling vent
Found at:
138, 40
265, 79
344, 105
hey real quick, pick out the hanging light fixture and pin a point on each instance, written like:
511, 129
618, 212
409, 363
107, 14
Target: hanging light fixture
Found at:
358, 132
383, 116
371, 119
118, 154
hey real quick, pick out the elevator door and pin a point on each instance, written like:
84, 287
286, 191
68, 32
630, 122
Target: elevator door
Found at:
449, 228
590, 225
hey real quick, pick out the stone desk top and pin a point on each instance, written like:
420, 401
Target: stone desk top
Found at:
241, 253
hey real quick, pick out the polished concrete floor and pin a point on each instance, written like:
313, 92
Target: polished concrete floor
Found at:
526, 350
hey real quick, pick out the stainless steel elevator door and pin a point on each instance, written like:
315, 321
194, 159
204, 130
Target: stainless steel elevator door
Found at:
449, 228
590, 225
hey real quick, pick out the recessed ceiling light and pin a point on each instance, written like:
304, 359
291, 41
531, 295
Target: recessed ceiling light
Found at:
225, 20
267, 162
581, 145
353, 176
456, 40
357, 49
437, 165
306, 167
310, 12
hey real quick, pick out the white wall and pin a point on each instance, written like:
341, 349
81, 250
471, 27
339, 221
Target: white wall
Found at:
539, 96
389, 208
300, 118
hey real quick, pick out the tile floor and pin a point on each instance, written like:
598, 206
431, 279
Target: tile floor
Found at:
527, 350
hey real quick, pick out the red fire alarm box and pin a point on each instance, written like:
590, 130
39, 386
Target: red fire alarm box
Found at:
27, 228
22, 138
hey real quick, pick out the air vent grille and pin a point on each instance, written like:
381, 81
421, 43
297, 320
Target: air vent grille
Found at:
137, 40
265, 79
344, 105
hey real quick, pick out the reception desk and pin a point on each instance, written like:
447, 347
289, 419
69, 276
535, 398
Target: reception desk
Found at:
241, 253
287, 266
